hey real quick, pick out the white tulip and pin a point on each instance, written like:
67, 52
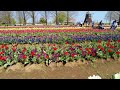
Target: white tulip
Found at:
117, 76
94, 77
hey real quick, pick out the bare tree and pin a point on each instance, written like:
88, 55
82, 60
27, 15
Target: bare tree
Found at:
45, 15
22, 17
33, 15
19, 17
6, 17
54, 14
71, 15
113, 15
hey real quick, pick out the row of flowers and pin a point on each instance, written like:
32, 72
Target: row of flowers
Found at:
52, 30
43, 28
66, 52
57, 38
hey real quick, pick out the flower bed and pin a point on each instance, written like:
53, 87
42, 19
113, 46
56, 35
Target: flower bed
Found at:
62, 45
46, 53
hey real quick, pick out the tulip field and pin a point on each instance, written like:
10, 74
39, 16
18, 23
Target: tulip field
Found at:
47, 45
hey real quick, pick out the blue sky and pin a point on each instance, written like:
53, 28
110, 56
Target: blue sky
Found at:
97, 16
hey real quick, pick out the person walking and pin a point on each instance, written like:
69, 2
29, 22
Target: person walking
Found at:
114, 25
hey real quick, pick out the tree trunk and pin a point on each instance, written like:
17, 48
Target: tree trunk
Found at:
67, 17
119, 20
24, 23
33, 18
46, 17
56, 18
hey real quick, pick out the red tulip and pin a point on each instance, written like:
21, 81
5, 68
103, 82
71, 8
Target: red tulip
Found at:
73, 44
46, 56
117, 52
24, 56
109, 40
2, 46
3, 58
6, 47
66, 42
80, 48
87, 49
109, 50
102, 49
107, 44
24, 50
93, 54
66, 53
14, 49
111, 46
32, 53
72, 54
88, 52
1, 53
99, 46
53, 44
119, 40
54, 48
99, 41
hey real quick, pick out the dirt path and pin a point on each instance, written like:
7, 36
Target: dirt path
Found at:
77, 72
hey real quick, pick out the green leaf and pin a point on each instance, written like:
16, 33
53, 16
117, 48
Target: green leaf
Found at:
1, 63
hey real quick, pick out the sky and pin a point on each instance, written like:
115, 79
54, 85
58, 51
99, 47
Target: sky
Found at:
97, 16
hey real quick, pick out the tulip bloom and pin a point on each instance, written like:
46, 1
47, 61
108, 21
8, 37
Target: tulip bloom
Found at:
99, 46
99, 41
66, 53
1, 53
66, 42
102, 49
117, 52
93, 54
54, 48
6, 47
32, 53
109, 50
72, 54
3, 58
14, 49
24, 57
119, 41
46, 56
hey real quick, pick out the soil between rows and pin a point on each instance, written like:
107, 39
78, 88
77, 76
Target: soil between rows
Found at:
82, 71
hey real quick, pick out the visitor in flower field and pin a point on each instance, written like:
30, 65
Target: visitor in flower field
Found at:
93, 24
114, 25
100, 25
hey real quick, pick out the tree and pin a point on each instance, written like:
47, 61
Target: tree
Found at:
45, 15
22, 17
71, 15
13, 21
60, 17
33, 15
6, 17
112, 15
42, 20
54, 14
19, 16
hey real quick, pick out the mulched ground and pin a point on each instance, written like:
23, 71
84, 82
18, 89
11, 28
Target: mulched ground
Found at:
83, 71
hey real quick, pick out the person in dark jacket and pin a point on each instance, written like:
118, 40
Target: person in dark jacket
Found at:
114, 25
100, 25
